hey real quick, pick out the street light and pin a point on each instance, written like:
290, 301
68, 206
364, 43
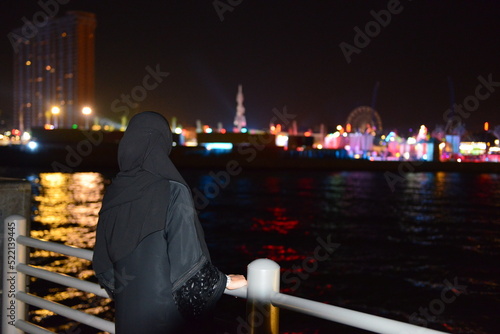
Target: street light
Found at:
86, 111
55, 113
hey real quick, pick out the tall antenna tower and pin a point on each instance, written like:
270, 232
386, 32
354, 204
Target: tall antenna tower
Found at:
240, 121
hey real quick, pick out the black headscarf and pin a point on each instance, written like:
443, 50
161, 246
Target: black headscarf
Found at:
135, 204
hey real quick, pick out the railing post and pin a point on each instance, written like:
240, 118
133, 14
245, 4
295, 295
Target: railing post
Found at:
263, 281
13, 281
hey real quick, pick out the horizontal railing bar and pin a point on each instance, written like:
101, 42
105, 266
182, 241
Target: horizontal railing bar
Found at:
348, 317
30, 328
241, 292
62, 279
68, 312
55, 247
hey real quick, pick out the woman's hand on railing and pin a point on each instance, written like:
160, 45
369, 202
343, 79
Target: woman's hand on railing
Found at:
237, 281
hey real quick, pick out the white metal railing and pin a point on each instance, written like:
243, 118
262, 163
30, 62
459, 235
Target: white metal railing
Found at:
15, 269
262, 293
347, 317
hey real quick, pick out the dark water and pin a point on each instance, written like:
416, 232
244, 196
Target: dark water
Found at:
426, 251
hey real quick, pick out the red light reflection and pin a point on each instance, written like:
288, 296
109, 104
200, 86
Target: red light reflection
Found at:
281, 224
279, 253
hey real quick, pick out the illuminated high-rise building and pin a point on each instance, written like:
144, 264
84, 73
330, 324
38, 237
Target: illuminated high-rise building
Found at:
54, 72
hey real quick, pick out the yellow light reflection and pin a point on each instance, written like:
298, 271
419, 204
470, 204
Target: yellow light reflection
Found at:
66, 211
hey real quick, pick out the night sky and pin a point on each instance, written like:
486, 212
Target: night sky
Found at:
287, 53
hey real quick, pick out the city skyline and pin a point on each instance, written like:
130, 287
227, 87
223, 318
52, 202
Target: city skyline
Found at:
320, 60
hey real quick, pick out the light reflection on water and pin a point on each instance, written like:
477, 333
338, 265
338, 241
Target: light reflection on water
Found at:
66, 211
396, 249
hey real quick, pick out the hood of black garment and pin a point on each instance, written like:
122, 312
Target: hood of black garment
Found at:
135, 204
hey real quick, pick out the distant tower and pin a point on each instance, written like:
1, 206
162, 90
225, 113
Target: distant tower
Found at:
294, 129
239, 120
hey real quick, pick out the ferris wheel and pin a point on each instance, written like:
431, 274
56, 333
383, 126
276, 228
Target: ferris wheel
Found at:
364, 119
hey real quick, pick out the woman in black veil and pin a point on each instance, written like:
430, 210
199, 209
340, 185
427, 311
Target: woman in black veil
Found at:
150, 253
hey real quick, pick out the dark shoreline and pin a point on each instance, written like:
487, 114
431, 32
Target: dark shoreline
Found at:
103, 157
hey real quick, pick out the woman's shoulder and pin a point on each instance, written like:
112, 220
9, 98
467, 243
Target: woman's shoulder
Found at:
179, 190
178, 186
